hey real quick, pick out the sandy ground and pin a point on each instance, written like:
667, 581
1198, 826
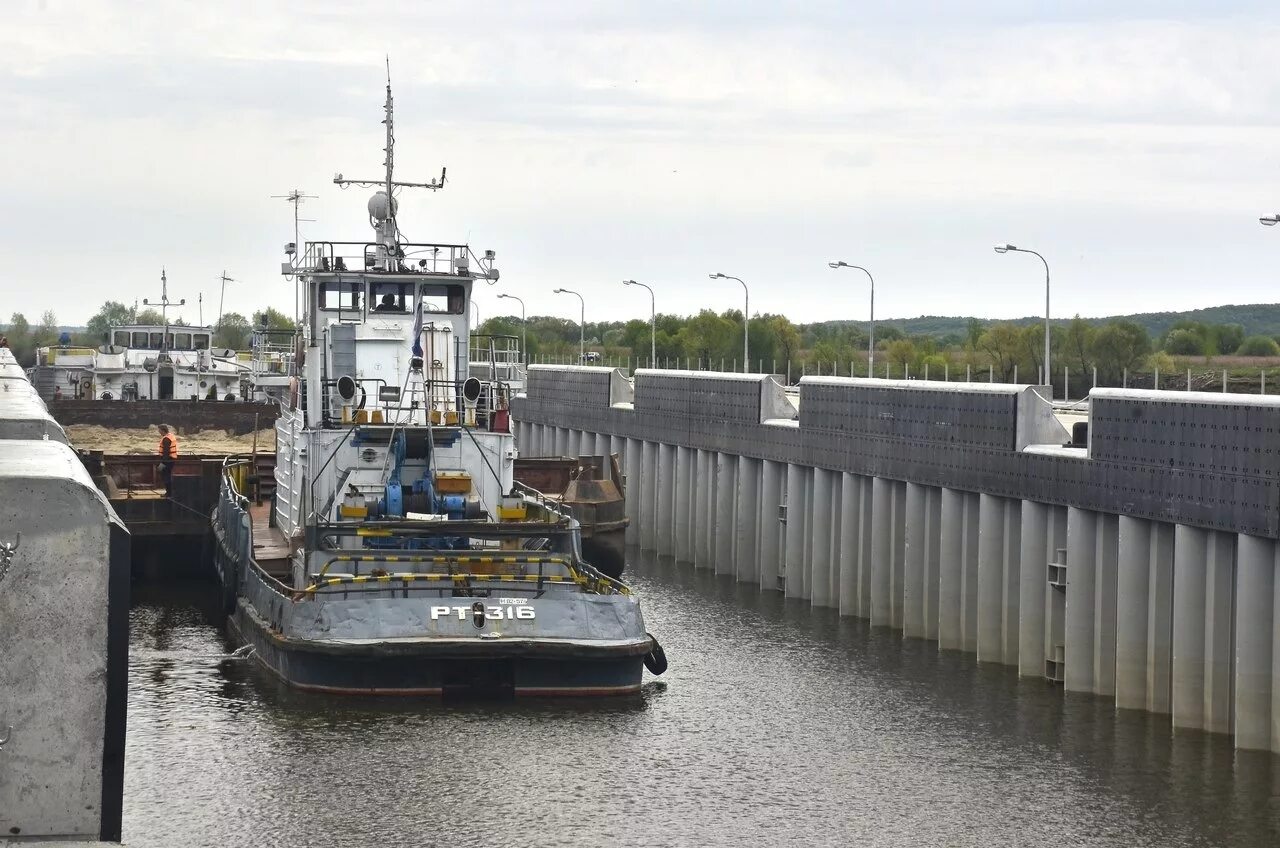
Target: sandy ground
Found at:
136, 441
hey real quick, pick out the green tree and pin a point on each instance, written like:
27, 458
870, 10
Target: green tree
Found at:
1004, 345
111, 314
901, 352
232, 331
973, 333
18, 334
786, 339
1077, 346
1226, 338
1185, 341
148, 316
273, 319
1117, 346
47, 332
709, 337
1258, 346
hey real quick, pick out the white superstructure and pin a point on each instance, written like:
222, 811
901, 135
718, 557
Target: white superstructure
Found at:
144, 362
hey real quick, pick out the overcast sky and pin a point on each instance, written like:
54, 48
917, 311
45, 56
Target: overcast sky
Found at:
1134, 144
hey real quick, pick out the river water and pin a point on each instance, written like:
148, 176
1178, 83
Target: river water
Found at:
776, 724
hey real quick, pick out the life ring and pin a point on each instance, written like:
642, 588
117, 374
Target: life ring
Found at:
656, 659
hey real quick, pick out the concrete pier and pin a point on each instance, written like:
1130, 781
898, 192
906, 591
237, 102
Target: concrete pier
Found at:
1140, 566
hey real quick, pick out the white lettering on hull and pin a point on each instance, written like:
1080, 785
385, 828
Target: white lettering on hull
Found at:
494, 613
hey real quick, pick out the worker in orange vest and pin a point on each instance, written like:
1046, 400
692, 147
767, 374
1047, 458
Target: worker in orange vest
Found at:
168, 452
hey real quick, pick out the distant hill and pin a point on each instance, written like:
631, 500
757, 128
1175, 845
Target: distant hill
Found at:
1261, 319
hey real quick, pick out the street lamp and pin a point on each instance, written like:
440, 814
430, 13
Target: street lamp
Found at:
871, 334
1269, 222
1007, 248
746, 314
582, 324
653, 322
524, 327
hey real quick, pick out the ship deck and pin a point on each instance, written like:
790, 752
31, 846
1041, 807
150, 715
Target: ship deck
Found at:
270, 547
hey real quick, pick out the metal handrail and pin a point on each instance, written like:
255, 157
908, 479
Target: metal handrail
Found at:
241, 503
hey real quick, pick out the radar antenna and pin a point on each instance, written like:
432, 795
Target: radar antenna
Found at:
222, 295
382, 206
294, 250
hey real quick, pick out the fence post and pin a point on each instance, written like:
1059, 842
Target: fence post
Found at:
1224, 381
1263, 373
1095, 376
1125, 380
968, 372
1066, 384
1015, 373
788, 372
991, 373
946, 372
1155, 382
926, 370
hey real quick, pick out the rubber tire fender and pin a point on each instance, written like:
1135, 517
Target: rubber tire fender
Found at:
656, 659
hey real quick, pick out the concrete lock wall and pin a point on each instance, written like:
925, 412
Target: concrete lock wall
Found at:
64, 634
1142, 568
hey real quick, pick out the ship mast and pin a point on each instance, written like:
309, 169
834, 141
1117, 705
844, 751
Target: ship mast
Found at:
382, 206
164, 303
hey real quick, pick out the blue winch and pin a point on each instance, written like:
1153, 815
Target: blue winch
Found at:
420, 496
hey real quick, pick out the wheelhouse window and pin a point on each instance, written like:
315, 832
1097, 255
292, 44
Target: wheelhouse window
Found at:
391, 297
120, 338
447, 299
343, 295
181, 341
157, 341
200, 341
139, 341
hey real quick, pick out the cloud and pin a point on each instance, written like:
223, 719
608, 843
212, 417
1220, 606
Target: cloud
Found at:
587, 141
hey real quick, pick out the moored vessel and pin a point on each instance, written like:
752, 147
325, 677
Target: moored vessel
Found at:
405, 558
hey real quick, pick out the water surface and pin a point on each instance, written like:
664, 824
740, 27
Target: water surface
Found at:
777, 724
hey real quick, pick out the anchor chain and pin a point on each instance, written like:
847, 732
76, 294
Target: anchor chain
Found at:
7, 550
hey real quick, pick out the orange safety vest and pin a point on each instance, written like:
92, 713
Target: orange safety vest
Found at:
173, 446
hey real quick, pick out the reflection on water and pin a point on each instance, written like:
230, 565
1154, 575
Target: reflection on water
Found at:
777, 724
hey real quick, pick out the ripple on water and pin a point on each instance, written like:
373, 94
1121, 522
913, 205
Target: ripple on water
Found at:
776, 724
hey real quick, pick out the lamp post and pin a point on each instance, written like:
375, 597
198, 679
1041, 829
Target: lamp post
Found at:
871, 332
1007, 248
653, 322
582, 324
746, 314
524, 327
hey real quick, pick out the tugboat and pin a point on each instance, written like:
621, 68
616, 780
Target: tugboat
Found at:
401, 557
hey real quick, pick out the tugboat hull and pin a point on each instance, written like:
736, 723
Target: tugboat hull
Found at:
430, 667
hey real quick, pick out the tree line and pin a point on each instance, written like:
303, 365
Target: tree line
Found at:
233, 331
1004, 348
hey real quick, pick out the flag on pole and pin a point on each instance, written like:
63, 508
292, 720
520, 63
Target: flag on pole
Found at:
417, 333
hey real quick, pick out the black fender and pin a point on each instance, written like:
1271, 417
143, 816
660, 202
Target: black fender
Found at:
656, 659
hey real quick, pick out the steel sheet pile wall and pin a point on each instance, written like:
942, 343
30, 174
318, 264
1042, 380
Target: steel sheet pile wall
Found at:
64, 604
1144, 572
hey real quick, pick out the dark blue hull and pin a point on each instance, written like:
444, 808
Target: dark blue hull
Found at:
488, 670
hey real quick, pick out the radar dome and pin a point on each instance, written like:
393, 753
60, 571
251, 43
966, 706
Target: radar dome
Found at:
378, 206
